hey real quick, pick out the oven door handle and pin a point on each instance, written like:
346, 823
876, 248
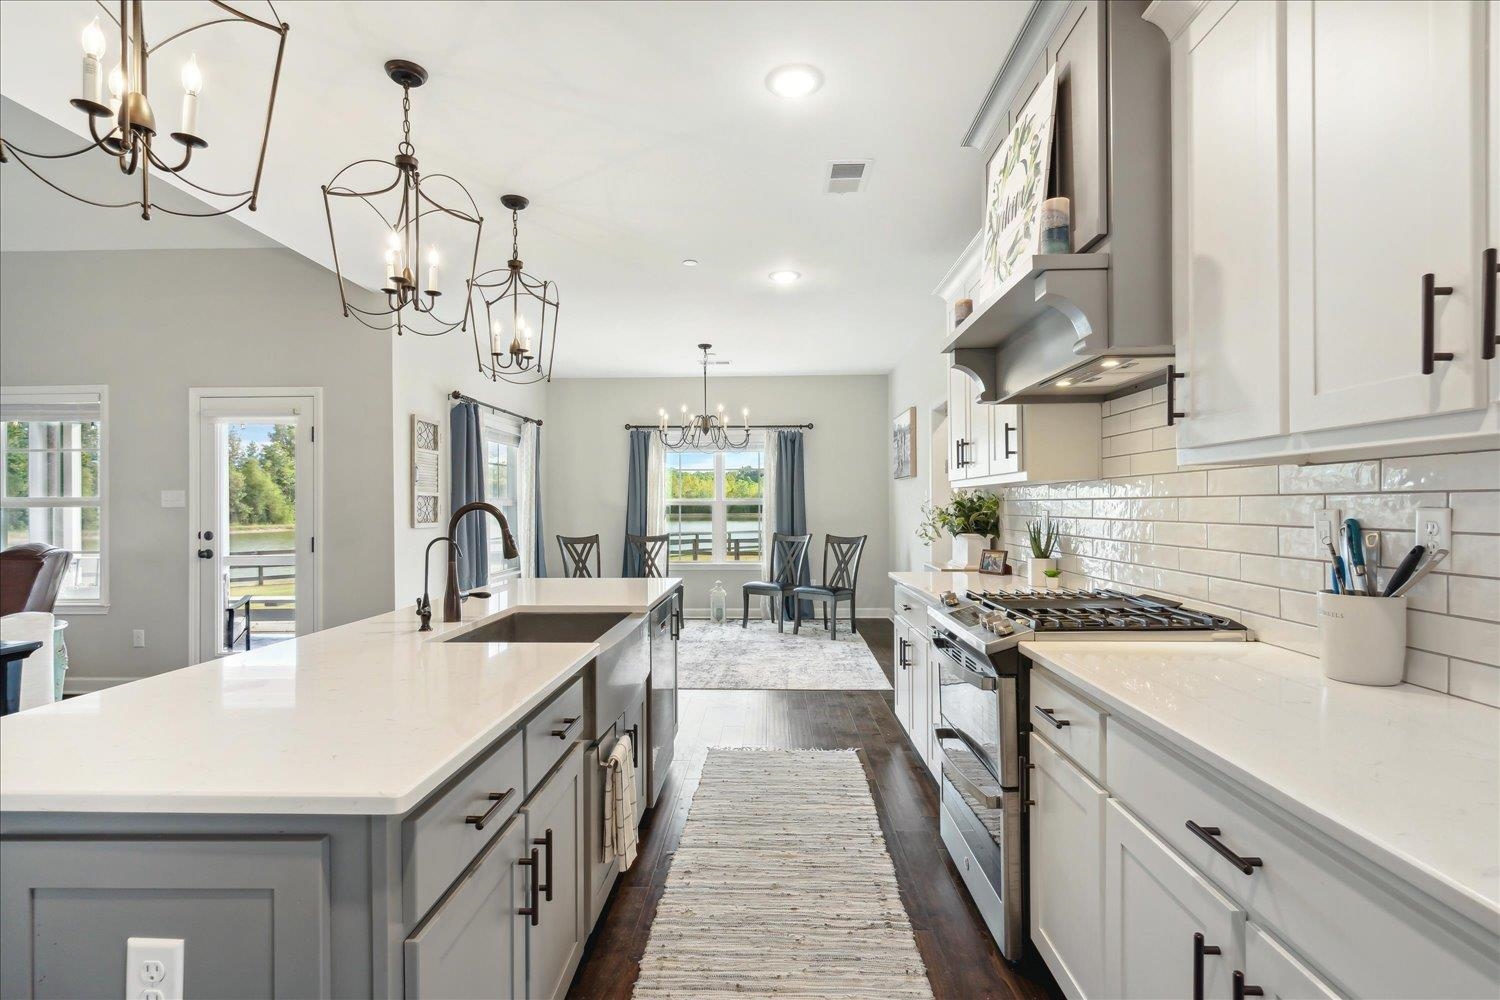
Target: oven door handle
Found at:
954, 774
975, 678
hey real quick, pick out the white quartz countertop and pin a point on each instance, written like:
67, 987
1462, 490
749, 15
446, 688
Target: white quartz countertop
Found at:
1407, 777
934, 585
365, 719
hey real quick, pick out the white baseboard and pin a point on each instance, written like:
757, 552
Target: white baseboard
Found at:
75, 684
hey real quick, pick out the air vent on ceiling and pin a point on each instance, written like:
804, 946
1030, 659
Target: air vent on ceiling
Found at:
847, 176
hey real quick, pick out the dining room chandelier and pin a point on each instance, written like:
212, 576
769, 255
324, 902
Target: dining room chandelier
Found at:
413, 275
705, 429
518, 337
131, 139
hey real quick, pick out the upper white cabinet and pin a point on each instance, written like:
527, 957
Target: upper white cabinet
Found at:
1385, 184
1328, 156
1000, 444
1227, 158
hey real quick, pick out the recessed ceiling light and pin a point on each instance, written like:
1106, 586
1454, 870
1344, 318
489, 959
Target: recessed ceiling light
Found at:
1064, 383
1109, 363
689, 262
785, 277
794, 81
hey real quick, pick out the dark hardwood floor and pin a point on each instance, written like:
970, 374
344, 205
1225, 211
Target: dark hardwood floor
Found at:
962, 961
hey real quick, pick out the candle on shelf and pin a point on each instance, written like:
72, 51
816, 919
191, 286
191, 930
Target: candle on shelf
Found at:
192, 85
432, 267
1056, 223
93, 51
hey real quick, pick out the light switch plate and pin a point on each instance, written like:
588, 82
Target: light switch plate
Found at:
138, 638
153, 968
1434, 527
1327, 525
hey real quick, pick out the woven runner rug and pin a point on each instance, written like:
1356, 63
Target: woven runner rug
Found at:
782, 887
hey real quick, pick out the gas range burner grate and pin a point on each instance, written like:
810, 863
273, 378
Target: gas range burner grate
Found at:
1100, 611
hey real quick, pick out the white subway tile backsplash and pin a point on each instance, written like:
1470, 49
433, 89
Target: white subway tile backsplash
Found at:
1474, 681
1241, 540
1478, 470
1117, 423
1342, 477
1258, 479
1148, 418
1163, 437
1256, 538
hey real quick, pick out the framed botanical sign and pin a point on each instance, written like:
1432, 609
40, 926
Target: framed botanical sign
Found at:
425, 481
904, 444
1015, 186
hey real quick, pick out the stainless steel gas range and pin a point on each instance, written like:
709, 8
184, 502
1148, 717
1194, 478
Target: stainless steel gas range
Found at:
983, 697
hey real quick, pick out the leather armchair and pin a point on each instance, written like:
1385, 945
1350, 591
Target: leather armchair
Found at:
31, 574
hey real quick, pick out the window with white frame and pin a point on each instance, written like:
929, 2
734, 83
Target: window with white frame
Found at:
715, 505
56, 487
502, 445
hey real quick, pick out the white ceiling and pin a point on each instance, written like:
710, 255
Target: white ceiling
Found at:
642, 132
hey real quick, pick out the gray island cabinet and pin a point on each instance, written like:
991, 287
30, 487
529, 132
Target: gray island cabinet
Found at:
372, 813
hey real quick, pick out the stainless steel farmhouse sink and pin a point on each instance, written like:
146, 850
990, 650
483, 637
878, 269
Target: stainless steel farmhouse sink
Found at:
543, 626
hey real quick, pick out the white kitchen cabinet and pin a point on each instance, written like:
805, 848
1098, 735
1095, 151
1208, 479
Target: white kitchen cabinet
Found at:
1326, 156
901, 679
1066, 817
921, 703
1155, 904
1277, 972
1227, 125
554, 822
1385, 184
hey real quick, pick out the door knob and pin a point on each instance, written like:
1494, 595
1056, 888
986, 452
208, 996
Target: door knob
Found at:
205, 553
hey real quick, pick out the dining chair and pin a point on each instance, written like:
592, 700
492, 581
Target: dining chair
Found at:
576, 550
838, 584
788, 556
655, 560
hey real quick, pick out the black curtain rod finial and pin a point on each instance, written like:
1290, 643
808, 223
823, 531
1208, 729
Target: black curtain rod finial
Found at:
456, 394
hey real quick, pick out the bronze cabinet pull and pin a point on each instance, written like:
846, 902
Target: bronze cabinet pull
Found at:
635, 745
1210, 836
1199, 950
1047, 713
568, 725
1430, 291
1173, 414
1241, 991
1009, 451
497, 799
1488, 338
546, 842
534, 911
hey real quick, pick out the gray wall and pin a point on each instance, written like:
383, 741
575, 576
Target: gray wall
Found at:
152, 325
848, 464
920, 380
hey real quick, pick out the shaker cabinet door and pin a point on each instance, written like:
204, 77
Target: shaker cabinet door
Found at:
1154, 904
960, 406
1386, 175
554, 822
1280, 974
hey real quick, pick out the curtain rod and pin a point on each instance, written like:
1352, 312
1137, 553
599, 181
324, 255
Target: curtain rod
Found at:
455, 394
753, 427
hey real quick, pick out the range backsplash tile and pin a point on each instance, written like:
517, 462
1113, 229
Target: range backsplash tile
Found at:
1240, 540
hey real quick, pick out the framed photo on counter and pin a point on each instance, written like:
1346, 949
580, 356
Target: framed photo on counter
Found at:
992, 561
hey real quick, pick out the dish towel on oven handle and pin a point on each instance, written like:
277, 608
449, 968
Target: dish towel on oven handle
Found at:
620, 804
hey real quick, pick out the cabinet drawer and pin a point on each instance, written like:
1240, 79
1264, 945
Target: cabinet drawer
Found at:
440, 839
1070, 723
1277, 971
911, 609
551, 731
1369, 940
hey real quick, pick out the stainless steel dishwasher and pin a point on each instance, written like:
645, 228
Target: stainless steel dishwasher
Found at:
666, 627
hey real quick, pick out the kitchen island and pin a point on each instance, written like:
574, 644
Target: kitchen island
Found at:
326, 815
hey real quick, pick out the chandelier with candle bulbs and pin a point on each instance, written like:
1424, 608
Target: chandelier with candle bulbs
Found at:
131, 140
518, 335
706, 429
411, 264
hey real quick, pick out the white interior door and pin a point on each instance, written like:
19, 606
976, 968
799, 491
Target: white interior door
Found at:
255, 511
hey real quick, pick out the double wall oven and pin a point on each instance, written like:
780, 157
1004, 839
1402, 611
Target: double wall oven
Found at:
983, 693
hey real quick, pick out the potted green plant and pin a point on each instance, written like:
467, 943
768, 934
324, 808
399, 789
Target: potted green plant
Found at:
970, 517
1043, 538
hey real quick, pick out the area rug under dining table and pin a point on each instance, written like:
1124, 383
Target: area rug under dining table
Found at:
726, 656
782, 886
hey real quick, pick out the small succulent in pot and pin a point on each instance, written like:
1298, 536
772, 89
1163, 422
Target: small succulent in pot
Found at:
1043, 537
1052, 574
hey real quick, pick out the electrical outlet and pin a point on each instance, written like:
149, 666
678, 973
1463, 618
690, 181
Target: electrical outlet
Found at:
138, 638
1435, 528
1327, 524
154, 968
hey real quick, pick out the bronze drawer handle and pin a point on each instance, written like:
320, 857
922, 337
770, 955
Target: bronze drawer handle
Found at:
534, 911
1241, 991
1047, 713
1210, 836
546, 842
568, 725
497, 799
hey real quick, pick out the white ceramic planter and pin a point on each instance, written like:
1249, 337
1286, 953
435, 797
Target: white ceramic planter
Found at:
1036, 573
968, 548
